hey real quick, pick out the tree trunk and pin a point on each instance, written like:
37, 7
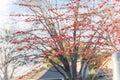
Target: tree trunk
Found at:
74, 69
6, 72
83, 69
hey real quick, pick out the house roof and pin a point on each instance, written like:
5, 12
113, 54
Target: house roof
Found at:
51, 74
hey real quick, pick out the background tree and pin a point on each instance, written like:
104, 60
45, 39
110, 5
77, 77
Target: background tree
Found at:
7, 52
10, 58
70, 30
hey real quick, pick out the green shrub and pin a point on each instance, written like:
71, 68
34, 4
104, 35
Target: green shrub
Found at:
90, 76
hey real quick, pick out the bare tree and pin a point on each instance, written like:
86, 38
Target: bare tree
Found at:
9, 61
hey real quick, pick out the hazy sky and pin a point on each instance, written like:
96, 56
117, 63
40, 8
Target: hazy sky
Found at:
7, 7
4, 12
3, 8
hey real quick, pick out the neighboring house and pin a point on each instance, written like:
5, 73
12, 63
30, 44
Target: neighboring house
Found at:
52, 74
108, 63
107, 68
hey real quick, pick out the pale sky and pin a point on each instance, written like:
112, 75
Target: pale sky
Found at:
6, 7
3, 8
3, 5
4, 11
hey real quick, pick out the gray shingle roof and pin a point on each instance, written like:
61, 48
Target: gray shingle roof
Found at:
51, 74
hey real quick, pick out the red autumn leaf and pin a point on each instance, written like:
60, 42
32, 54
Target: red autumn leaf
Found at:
20, 77
118, 0
27, 20
11, 15
19, 49
19, 32
15, 42
118, 32
92, 27
62, 52
47, 59
106, 29
31, 60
